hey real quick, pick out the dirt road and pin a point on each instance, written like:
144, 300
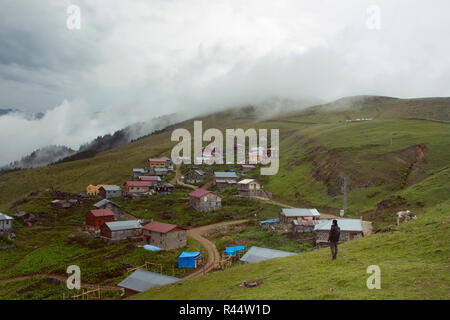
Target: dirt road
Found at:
176, 179
213, 254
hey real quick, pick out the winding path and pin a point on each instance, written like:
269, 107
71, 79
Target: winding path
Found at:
213, 254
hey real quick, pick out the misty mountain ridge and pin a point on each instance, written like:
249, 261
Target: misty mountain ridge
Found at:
26, 115
374, 106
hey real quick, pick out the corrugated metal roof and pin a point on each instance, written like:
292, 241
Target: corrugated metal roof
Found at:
225, 174
111, 188
142, 280
159, 169
5, 217
138, 184
299, 212
257, 254
103, 202
160, 227
246, 181
344, 224
123, 225
141, 170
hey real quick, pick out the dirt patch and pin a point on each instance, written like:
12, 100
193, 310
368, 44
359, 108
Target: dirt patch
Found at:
251, 284
167, 215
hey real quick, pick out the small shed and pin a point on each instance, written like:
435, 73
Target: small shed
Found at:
269, 222
189, 259
287, 215
107, 192
95, 218
350, 229
194, 176
121, 230
163, 235
6, 224
157, 171
137, 187
304, 226
205, 201
231, 251
257, 254
249, 188
224, 179
142, 280
107, 204
138, 172
157, 163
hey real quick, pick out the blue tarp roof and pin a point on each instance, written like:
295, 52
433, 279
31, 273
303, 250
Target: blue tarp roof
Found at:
232, 250
187, 259
270, 221
151, 248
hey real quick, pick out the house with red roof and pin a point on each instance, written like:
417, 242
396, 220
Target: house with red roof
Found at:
137, 187
205, 201
163, 235
96, 218
157, 163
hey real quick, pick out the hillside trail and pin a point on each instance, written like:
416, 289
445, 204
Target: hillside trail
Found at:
213, 254
60, 278
176, 179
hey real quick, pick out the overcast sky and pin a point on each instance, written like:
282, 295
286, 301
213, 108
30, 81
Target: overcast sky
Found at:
133, 60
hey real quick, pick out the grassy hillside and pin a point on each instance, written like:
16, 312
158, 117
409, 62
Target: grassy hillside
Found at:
317, 150
413, 259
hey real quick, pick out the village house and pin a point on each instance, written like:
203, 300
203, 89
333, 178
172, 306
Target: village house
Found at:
249, 188
301, 225
194, 176
165, 188
157, 163
25, 217
95, 218
287, 215
159, 171
247, 167
350, 229
137, 187
138, 172
92, 190
62, 204
107, 204
164, 236
107, 192
121, 230
6, 224
154, 180
169, 163
224, 179
205, 201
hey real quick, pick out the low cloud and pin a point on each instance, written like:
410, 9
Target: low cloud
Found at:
134, 61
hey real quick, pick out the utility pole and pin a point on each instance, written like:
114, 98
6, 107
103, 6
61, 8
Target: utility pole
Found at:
391, 139
344, 191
